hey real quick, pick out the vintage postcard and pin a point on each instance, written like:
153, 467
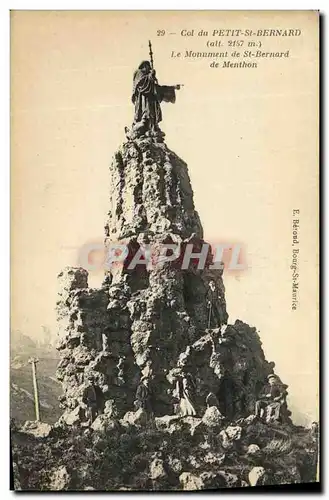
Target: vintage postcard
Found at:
165, 253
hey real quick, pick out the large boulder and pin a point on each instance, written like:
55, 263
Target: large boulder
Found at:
192, 482
74, 417
214, 459
213, 418
208, 480
60, 479
104, 424
158, 474
37, 429
157, 469
230, 480
175, 424
137, 418
230, 436
174, 464
253, 450
168, 423
256, 475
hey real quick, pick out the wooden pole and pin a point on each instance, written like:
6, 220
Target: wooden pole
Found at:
34, 362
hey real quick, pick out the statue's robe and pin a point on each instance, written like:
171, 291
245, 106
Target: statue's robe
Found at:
147, 95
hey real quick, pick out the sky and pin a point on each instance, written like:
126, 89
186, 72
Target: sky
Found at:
249, 137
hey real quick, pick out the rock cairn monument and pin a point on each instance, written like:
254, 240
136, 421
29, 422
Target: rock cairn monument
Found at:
154, 321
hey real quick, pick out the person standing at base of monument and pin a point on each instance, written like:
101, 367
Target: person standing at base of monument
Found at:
89, 400
144, 397
185, 390
214, 313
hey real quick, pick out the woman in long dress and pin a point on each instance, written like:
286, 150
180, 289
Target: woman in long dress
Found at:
185, 390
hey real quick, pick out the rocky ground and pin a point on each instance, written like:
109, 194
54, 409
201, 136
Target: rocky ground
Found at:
167, 453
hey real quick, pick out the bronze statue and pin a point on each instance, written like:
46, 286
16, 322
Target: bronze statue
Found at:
147, 95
